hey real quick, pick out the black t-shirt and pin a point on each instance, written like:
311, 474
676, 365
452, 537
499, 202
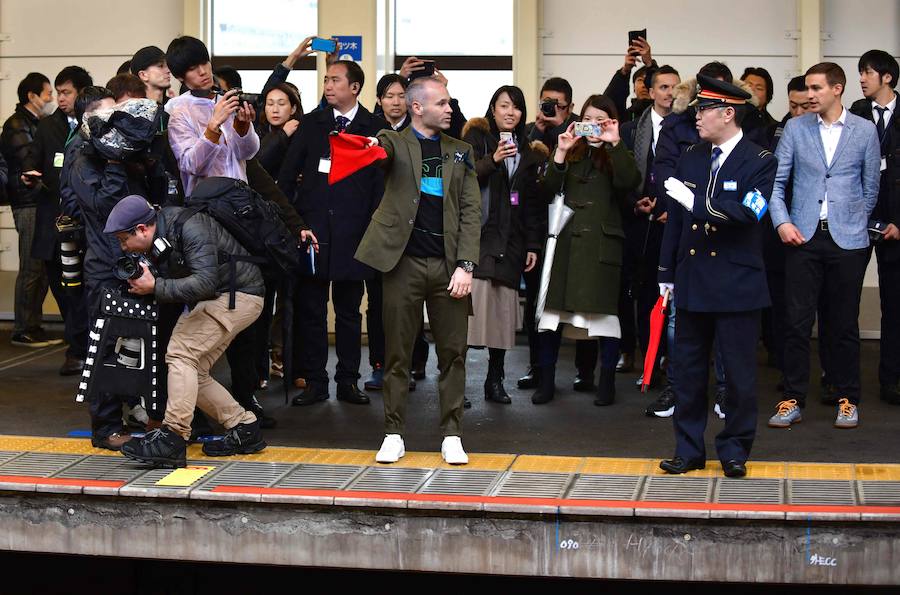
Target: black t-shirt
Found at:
427, 238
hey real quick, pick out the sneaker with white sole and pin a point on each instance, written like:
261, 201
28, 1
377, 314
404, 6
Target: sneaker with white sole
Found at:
392, 449
847, 415
721, 394
788, 413
664, 405
452, 451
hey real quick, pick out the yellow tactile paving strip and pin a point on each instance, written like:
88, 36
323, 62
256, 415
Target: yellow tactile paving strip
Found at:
490, 462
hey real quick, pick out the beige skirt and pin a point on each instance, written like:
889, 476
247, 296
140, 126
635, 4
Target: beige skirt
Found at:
496, 317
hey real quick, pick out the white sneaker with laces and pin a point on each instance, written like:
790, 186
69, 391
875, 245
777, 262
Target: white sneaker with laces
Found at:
392, 449
452, 451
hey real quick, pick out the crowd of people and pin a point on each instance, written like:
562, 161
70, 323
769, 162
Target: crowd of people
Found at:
747, 226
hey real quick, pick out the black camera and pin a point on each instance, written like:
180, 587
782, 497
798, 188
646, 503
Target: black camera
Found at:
876, 230
251, 98
129, 267
548, 107
71, 242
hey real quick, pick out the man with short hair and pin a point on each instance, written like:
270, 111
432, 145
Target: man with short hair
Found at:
189, 271
149, 65
878, 74
35, 103
338, 214
42, 167
424, 238
711, 260
834, 157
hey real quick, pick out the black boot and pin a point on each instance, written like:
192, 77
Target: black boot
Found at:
493, 384
606, 388
547, 387
530, 380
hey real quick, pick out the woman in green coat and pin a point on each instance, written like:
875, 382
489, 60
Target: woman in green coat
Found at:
596, 173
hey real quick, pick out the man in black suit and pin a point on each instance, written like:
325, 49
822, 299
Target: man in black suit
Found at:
878, 73
338, 215
712, 260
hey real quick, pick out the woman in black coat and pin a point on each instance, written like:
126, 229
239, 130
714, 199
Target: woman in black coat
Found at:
278, 121
508, 169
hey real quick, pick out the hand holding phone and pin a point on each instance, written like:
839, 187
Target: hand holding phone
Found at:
320, 44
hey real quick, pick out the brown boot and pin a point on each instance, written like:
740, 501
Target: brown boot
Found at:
112, 442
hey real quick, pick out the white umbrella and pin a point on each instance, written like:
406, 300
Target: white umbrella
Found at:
559, 217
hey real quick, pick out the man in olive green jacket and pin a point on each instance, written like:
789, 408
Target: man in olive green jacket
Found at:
424, 237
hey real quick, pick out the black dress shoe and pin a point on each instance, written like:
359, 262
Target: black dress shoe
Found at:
494, 391
734, 468
529, 380
72, 366
467, 404
583, 383
350, 393
418, 371
412, 385
679, 465
312, 394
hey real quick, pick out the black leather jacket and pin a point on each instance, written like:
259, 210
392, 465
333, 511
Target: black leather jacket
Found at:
18, 134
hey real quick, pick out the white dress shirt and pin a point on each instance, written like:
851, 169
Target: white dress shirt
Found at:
349, 115
727, 147
830, 137
891, 106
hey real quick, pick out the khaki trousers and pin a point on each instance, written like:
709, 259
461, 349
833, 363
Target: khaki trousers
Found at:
199, 339
411, 283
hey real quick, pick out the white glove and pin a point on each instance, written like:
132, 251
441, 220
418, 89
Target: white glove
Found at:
677, 190
664, 287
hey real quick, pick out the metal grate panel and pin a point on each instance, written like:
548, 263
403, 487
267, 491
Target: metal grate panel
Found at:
388, 479
6, 456
319, 477
102, 467
879, 493
821, 491
151, 476
463, 483
753, 490
38, 464
677, 489
526, 484
606, 487
261, 475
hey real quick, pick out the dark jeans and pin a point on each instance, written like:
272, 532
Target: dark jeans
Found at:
73, 309
31, 280
818, 267
311, 329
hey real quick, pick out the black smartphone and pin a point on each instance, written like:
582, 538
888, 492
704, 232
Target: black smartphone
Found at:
632, 37
427, 70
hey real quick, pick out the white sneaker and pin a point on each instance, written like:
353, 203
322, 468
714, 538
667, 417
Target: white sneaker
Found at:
452, 451
392, 449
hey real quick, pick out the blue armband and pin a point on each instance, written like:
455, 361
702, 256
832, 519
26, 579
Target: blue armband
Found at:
756, 202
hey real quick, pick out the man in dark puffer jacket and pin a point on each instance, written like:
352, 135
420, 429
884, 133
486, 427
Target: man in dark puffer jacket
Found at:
192, 272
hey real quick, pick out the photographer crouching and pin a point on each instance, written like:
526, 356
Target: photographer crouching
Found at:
186, 253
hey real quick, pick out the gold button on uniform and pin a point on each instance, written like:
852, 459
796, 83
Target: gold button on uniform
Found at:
694, 227
714, 228
693, 251
713, 253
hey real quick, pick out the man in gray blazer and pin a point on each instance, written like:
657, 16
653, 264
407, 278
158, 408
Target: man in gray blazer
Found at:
835, 158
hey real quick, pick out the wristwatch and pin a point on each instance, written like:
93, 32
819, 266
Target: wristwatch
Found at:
466, 265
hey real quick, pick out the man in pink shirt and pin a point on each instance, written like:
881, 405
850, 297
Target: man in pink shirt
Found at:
211, 135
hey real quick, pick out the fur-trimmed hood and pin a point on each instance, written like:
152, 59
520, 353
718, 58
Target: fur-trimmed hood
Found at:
686, 91
482, 125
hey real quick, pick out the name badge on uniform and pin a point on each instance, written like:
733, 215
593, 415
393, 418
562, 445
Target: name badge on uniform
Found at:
324, 165
58, 159
514, 198
756, 202
729, 185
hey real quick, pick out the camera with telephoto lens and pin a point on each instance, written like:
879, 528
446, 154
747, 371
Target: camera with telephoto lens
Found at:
251, 98
876, 230
129, 267
548, 107
71, 243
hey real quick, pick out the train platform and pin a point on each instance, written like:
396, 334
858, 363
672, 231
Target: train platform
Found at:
579, 493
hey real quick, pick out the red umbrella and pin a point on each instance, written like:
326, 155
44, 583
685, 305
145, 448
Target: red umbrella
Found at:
657, 321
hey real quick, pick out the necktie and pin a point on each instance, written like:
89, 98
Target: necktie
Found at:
879, 125
341, 123
714, 162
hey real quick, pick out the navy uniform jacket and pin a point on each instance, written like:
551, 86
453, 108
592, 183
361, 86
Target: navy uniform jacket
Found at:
713, 255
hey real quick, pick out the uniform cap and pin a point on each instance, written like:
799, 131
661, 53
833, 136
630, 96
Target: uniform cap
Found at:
711, 91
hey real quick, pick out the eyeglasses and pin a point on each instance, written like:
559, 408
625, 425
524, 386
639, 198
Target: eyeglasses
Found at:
705, 108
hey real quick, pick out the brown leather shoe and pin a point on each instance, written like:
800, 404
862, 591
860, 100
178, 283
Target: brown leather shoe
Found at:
71, 366
112, 442
300, 383
153, 424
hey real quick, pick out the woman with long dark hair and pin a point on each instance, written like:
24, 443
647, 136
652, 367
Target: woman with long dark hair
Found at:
508, 169
596, 173
278, 121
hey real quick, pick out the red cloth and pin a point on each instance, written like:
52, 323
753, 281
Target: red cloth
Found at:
349, 154
657, 321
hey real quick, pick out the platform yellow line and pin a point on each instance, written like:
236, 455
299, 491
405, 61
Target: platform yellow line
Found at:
547, 464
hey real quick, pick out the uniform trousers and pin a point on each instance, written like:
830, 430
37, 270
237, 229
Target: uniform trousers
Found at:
889, 288
695, 334
407, 286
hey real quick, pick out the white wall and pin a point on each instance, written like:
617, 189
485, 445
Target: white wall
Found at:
99, 35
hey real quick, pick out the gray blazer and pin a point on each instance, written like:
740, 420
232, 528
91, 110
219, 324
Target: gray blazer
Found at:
851, 181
